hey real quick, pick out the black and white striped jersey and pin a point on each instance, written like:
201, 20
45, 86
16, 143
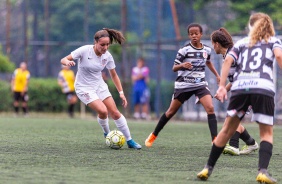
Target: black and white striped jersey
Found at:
195, 77
254, 71
232, 68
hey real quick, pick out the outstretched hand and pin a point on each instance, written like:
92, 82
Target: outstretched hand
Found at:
221, 94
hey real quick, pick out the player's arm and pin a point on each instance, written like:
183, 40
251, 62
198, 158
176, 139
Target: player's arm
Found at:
213, 70
60, 80
68, 61
185, 65
222, 92
13, 81
278, 56
118, 85
228, 86
26, 84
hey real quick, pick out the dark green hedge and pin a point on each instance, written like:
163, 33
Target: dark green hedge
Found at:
45, 95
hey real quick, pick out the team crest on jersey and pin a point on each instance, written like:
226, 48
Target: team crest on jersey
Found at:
104, 61
86, 96
205, 55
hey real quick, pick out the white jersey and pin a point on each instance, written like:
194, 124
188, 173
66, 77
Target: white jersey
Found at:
254, 71
190, 79
90, 66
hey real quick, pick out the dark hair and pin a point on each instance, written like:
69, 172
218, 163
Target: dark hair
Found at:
194, 25
222, 37
114, 35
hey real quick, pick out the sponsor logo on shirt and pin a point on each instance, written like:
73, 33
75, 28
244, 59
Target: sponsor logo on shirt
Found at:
247, 84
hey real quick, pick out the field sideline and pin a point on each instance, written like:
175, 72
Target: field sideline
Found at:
73, 151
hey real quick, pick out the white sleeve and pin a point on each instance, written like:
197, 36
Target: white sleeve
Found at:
78, 53
111, 63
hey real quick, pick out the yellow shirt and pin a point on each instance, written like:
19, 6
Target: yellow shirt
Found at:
67, 77
20, 78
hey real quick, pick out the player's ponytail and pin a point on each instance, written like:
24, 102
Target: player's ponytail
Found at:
223, 37
114, 35
261, 28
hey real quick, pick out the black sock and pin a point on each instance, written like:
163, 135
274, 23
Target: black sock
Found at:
71, 109
24, 110
265, 153
245, 136
214, 155
162, 122
234, 141
212, 125
16, 109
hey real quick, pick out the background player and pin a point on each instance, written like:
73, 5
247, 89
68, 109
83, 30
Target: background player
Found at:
141, 94
66, 80
19, 87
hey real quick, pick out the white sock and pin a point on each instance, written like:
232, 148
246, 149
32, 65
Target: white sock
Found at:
121, 124
104, 123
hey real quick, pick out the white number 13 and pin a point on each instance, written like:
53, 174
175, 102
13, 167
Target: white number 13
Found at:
257, 53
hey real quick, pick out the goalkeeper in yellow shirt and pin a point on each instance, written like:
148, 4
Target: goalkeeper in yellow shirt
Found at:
19, 87
66, 80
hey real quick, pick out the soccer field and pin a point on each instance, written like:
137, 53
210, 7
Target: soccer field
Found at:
73, 151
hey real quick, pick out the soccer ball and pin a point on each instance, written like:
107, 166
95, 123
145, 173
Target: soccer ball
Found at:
115, 139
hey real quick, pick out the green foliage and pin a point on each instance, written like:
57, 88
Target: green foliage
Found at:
236, 22
46, 95
5, 64
6, 99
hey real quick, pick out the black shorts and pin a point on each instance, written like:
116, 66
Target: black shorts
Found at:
182, 96
19, 97
69, 95
262, 107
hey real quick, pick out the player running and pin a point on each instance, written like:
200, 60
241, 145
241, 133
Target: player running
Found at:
253, 85
190, 64
222, 43
90, 87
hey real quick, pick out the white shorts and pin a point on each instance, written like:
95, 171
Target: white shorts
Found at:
88, 95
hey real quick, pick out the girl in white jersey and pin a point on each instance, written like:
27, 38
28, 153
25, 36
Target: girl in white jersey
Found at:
252, 85
90, 86
190, 65
222, 43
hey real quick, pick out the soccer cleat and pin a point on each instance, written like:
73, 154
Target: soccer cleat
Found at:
205, 173
105, 134
132, 144
264, 177
249, 148
150, 140
231, 150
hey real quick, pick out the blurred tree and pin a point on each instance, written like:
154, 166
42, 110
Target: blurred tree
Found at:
5, 64
240, 10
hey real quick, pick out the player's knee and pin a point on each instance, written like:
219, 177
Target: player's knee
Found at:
169, 114
115, 114
210, 109
103, 113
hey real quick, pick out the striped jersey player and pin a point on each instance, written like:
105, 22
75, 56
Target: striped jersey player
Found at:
190, 65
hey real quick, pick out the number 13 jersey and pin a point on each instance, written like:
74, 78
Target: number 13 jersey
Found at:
254, 71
